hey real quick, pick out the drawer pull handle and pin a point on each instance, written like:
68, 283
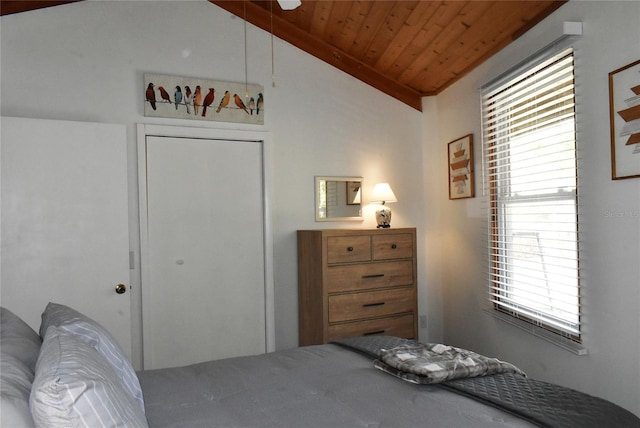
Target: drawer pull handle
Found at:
394, 246
374, 332
349, 249
375, 275
368, 305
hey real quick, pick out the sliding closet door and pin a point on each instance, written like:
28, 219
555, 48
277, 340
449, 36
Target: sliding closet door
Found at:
204, 297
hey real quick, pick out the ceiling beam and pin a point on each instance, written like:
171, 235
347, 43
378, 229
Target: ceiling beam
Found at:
261, 18
8, 7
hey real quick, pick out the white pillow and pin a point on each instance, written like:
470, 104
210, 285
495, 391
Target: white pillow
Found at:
75, 386
92, 333
15, 386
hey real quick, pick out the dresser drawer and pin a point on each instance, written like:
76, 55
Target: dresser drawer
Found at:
400, 326
345, 249
354, 306
369, 276
397, 246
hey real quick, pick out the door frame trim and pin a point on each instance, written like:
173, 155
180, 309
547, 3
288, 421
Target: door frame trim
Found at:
263, 137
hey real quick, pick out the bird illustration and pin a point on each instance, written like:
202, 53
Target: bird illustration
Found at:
164, 94
197, 100
177, 95
252, 105
224, 101
260, 103
208, 100
240, 103
151, 96
187, 98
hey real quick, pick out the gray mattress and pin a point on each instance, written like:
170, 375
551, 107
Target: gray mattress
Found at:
314, 386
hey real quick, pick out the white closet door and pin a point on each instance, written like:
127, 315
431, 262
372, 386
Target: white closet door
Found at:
204, 298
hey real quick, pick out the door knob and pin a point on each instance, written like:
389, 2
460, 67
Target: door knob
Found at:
121, 288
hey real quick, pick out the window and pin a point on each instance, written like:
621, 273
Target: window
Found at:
531, 172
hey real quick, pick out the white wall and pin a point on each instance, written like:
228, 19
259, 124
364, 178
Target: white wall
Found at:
85, 62
610, 213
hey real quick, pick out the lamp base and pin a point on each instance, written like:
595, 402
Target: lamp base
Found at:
383, 217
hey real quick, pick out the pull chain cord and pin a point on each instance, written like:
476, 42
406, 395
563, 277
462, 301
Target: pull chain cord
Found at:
246, 78
273, 68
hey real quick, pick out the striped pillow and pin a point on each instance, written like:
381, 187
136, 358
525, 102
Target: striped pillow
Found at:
75, 386
73, 322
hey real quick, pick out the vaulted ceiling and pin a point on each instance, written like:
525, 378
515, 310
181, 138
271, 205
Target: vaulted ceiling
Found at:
406, 49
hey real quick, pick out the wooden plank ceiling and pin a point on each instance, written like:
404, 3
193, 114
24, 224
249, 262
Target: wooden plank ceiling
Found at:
406, 49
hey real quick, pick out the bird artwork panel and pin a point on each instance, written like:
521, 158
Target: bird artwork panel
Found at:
202, 99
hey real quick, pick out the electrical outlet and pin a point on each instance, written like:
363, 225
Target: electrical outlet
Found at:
423, 321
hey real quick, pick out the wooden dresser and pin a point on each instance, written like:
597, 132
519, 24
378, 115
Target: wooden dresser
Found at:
355, 283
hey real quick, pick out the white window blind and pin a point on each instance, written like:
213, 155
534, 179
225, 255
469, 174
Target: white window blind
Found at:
531, 171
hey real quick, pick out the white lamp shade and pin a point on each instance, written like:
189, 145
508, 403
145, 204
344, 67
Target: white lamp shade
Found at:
382, 193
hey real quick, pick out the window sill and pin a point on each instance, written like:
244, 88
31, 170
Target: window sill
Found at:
566, 344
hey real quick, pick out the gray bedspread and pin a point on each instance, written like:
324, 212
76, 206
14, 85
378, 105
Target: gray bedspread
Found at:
313, 386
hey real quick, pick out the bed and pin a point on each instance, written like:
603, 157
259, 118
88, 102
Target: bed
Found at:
72, 373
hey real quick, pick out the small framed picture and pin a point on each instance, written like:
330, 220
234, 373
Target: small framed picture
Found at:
461, 175
624, 114
353, 192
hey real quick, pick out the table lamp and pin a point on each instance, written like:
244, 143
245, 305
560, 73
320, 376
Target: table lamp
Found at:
382, 193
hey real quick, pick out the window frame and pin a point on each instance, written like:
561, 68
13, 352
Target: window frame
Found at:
497, 218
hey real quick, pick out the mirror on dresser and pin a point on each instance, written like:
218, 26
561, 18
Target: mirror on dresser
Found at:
338, 198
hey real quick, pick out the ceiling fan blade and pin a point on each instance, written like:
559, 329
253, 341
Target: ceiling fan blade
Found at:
289, 4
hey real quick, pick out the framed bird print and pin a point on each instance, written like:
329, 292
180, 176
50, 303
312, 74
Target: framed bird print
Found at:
202, 99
